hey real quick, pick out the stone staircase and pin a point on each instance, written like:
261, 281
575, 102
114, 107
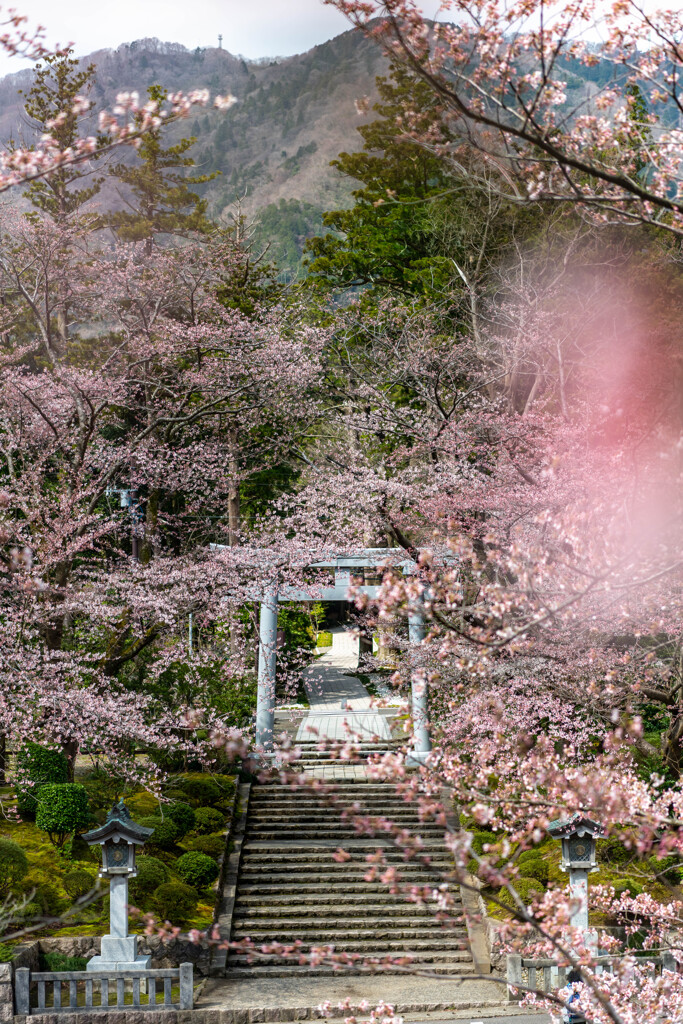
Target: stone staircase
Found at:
290, 887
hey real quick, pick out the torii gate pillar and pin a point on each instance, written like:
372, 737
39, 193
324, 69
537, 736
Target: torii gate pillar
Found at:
420, 706
267, 661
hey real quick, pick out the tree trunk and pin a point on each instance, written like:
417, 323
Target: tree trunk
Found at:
3, 758
234, 512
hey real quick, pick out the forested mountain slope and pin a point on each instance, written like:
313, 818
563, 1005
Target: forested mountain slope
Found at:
294, 114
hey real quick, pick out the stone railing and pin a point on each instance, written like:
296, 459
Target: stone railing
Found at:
103, 991
546, 976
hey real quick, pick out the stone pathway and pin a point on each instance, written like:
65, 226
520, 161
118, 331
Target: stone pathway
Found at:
339, 701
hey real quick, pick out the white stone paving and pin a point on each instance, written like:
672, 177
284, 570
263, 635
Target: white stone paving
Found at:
328, 687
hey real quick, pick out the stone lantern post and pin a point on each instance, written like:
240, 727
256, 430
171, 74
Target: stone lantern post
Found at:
578, 836
118, 837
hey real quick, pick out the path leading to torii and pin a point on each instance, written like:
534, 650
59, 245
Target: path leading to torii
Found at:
329, 688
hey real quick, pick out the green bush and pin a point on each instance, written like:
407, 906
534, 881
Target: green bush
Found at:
197, 869
6, 953
176, 794
528, 889
62, 810
62, 962
208, 819
77, 883
151, 873
531, 863
669, 868
324, 639
31, 910
183, 815
200, 791
13, 866
76, 848
175, 901
212, 846
37, 765
629, 886
166, 832
614, 851
48, 899
479, 839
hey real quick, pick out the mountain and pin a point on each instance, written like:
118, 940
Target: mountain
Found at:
273, 148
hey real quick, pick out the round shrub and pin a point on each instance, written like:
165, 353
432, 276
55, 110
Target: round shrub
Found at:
208, 819
31, 910
614, 851
532, 864
166, 832
13, 866
48, 899
668, 868
37, 765
200, 791
62, 809
212, 846
175, 901
176, 794
183, 815
627, 886
151, 873
77, 883
481, 838
197, 869
528, 889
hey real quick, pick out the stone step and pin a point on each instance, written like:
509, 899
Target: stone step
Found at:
365, 843
276, 971
340, 833
253, 887
321, 894
326, 811
336, 819
389, 938
305, 869
402, 909
399, 928
352, 788
427, 956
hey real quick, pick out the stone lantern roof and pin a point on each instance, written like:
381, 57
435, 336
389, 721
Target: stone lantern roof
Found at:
119, 825
578, 824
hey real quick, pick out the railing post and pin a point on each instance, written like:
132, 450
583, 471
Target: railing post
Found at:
22, 990
186, 994
514, 975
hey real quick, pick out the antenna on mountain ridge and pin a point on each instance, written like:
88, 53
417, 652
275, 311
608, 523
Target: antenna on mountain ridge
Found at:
220, 42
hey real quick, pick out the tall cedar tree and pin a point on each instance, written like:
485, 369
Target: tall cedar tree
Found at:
59, 79
161, 200
386, 239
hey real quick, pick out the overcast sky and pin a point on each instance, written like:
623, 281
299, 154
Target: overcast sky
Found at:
253, 28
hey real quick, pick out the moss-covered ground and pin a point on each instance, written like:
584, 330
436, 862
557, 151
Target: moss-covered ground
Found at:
43, 886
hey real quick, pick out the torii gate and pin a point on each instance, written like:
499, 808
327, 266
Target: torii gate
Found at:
342, 565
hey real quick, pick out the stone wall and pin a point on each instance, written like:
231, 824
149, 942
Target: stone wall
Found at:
6, 996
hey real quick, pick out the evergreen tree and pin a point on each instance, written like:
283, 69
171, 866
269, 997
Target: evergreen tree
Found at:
386, 240
162, 201
49, 106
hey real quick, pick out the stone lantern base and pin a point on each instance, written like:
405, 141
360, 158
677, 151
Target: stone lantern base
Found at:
119, 954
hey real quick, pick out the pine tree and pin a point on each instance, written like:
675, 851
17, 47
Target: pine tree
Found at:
161, 200
49, 107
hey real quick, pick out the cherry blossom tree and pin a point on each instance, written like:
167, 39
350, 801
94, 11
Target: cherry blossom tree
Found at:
504, 72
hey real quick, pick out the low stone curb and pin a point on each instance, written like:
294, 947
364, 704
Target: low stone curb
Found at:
250, 1015
229, 876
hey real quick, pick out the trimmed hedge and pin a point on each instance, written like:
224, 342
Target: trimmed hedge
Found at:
62, 810
175, 901
207, 820
212, 846
197, 869
166, 832
528, 889
77, 884
13, 866
183, 815
38, 765
200, 791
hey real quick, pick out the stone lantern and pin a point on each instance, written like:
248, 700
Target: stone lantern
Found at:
578, 836
118, 837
